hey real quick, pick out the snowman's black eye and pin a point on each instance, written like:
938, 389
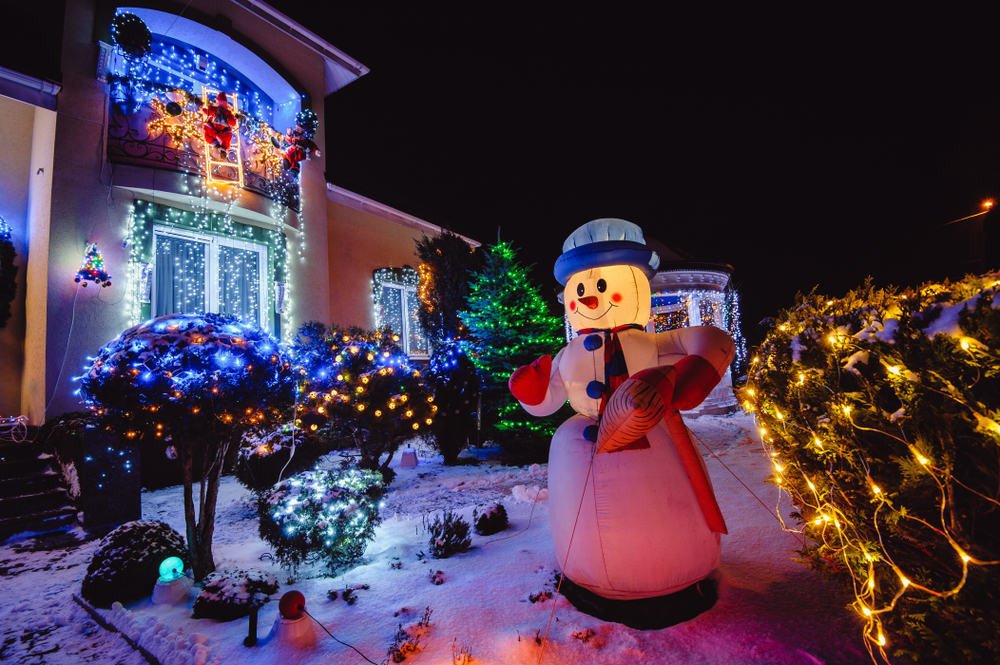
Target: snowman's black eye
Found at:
602, 286
579, 289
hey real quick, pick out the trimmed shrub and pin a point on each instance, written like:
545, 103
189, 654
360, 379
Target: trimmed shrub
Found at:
882, 411
127, 564
232, 592
449, 535
264, 456
493, 520
325, 516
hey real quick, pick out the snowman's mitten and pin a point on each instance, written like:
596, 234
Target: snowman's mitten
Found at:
530, 383
693, 382
635, 408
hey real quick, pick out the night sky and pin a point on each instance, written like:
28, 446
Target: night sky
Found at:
812, 146
801, 150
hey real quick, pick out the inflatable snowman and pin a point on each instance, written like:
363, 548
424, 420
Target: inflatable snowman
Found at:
632, 507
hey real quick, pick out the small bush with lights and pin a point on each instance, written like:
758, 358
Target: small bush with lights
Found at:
449, 535
880, 411
232, 592
327, 516
126, 565
362, 383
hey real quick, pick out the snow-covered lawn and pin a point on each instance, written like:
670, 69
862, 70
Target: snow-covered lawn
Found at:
771, 609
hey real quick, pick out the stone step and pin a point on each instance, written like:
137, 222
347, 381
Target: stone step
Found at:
32, 483
26, 504
39, 522
17, 451
24, 467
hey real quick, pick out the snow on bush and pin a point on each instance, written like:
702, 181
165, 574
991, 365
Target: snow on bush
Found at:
881, 412
493, 520
325, 516
126, 565
449, 535
231, 593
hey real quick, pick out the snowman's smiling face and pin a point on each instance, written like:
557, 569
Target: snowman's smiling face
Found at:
607, 297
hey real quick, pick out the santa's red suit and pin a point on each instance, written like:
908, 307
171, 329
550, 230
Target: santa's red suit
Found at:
297, 147
218, 128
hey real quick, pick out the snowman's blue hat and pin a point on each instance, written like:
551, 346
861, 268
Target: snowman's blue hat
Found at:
605, 242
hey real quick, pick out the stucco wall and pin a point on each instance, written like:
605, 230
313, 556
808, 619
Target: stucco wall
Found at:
361, 243
80, 320
15, 159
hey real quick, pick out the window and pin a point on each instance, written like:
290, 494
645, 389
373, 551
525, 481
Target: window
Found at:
396, 306
197, 272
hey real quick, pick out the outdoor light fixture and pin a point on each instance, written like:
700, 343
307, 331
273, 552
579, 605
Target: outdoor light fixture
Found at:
172, 587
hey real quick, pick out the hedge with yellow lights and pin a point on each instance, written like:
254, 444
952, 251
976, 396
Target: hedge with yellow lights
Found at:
191, 385
880, 412
360, 387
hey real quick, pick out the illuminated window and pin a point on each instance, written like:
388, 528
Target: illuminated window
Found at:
396, 306
197, 272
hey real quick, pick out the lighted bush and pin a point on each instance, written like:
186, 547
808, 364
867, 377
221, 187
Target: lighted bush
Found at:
882, 410
327, 516
127, 564
266, 456
232, 592
449, 535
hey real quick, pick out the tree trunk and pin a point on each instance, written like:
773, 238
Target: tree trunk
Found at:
190, 522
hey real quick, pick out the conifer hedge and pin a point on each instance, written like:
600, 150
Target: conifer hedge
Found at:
880, 410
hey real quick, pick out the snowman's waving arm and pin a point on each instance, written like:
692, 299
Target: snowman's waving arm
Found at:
700, 355
539, 386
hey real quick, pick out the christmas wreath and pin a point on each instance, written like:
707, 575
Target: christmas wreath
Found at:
8, 273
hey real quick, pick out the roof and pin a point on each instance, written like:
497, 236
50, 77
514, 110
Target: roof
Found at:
388, 213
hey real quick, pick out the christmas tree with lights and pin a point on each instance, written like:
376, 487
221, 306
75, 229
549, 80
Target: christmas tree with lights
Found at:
92, 269
510, 326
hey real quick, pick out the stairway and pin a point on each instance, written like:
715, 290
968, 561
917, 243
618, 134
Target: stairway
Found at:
32, 497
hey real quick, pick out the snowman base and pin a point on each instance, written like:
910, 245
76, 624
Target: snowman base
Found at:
645, 613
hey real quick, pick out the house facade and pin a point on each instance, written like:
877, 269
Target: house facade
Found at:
177, 165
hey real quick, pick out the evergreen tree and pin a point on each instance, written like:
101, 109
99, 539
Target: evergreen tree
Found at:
510, 326
446, 263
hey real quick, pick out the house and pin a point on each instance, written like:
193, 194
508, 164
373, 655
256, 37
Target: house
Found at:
134, 187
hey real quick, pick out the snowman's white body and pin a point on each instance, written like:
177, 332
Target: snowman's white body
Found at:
626, 524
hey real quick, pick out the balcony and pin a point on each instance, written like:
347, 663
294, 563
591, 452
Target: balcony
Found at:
155, 138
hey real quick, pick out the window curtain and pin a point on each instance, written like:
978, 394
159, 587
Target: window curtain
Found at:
239, 283
180, 276
418, 342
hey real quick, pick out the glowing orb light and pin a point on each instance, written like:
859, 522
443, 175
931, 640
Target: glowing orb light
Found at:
171, 569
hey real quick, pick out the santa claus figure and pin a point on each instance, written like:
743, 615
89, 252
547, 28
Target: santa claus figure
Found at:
297, 145
632, 507
218, 127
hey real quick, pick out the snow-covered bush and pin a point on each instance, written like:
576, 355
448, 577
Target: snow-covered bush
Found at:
881, 412
449, 535
265, 456
232, 592
493, 520
321, 515
127, 564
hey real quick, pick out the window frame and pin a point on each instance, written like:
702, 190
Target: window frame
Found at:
215, 242
406, 292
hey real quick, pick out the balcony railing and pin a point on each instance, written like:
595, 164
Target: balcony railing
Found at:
151, 138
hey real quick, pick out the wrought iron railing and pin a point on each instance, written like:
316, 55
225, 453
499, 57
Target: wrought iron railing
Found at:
155, 139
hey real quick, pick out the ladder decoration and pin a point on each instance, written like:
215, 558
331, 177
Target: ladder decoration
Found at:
221, 132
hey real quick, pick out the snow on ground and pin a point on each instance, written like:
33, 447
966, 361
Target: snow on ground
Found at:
771, 609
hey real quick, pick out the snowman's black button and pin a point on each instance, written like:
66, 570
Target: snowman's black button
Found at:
595, 389
590, 433
593, 342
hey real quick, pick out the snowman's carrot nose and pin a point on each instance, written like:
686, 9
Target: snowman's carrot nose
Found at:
589, 301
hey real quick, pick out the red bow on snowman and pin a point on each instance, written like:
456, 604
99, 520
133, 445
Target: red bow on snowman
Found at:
218, 128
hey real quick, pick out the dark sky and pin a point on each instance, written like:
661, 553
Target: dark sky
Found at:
804, 149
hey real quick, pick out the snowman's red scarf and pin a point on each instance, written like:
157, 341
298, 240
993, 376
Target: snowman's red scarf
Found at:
615, 368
